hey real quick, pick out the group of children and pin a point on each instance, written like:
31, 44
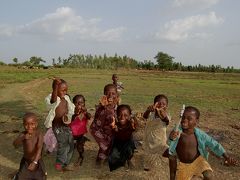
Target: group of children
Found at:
112, 128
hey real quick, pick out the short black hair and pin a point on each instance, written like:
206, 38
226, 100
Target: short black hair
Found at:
159, 97
114, 75
194, 109
108, 86
77, 97
28, 115
62, 82
123, 106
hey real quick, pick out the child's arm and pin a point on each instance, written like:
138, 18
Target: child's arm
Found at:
148, 111
33, 165
19, 140
56, 83
219, 150
229, 160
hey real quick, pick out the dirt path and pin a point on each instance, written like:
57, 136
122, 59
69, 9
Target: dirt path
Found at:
16, 99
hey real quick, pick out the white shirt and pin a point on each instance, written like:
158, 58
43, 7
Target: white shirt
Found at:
52, 107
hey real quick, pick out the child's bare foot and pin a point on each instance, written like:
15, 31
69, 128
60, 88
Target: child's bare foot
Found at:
99, 163
69, 167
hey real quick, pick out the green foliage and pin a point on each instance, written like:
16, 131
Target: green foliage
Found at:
164, 61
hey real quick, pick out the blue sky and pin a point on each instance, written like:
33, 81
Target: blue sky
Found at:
192, 31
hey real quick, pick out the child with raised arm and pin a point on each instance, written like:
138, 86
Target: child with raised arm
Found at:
31, 166
190, 144
103, 123
123, 144
155, 138
59, 117
79, 123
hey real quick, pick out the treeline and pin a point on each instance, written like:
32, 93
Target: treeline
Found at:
163, 62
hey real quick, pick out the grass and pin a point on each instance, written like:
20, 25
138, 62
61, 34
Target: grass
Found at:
215, 95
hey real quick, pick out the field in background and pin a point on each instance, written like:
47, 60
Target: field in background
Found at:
216, 95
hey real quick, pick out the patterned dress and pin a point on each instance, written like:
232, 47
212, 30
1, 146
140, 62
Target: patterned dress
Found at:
102, 131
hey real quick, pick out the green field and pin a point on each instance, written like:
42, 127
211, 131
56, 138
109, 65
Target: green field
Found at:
216, 95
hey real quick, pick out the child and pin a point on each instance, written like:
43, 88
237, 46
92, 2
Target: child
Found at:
60, 115
123, 144
191, 149
155, 139
102, 125
79, 124
31, 166
118, 84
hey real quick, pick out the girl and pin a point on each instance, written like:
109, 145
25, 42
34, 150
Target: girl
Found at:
103, 123
155, 138
79, 123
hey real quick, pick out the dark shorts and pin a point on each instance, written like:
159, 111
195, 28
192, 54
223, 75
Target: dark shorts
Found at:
25, 174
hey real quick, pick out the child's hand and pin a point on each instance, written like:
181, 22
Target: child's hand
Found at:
27, 136
173, 135
113, 124
162, 113
151, 108
56, 82
32, 166
103, 100
229, 161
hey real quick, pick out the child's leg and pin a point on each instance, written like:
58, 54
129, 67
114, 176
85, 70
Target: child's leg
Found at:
172, 166
65, 145
207, 175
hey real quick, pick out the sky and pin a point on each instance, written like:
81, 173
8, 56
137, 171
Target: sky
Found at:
192, 31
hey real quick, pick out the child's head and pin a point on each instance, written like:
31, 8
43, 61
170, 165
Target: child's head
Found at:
79, 101
124, 113
190, 117
161, 101
114, 77
62, 88
110, 91
30, 122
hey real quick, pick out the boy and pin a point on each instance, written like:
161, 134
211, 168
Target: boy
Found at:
31, 166
123, 144
191, 149
118, 84
60, 115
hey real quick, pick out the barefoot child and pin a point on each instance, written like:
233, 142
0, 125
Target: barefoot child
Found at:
155, 138
118, 84
102, 125
191, 149
123, 144
59, 117
79, 125
31, 166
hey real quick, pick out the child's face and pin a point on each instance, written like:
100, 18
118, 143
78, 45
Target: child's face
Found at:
162, 104
115, 78
79, 103
124, 116
62, 90
111, 94
30, 124
189, 120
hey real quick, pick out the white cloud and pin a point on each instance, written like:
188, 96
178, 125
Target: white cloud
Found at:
197, 3
183, 29
64, 22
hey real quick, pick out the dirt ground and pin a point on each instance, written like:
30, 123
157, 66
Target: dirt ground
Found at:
14, 103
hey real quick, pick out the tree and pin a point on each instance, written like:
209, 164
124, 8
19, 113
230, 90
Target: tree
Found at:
15, 60
164, 61
35, 61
